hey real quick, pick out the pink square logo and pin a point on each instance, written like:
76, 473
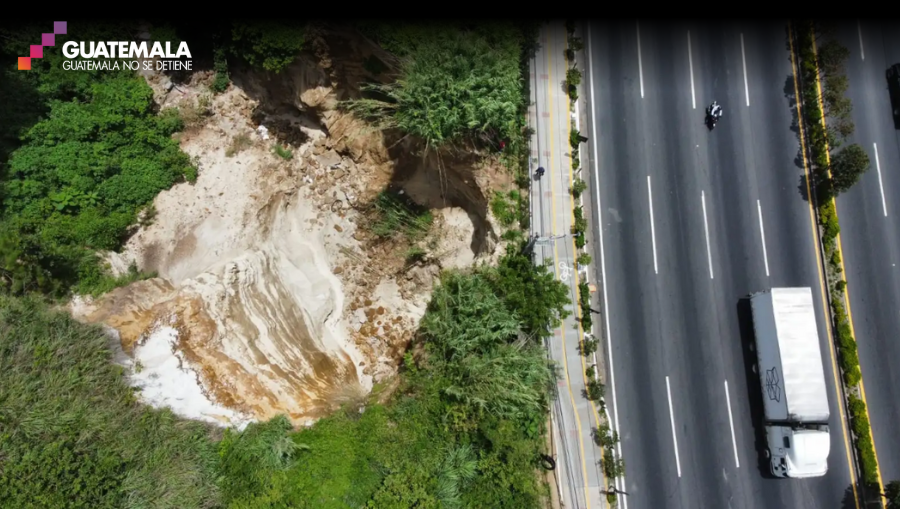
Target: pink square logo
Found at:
48, 39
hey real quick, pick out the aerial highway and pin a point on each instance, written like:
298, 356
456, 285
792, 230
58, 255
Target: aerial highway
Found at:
869, 215
692, 221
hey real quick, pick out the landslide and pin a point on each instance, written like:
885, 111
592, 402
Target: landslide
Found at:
282, 296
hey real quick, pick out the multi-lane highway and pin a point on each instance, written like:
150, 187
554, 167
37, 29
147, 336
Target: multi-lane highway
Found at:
691, 221
870, 230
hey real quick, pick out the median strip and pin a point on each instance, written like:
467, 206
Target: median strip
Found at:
829, 177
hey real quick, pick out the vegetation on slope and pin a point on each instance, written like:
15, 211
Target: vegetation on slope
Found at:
458, 81
464, 430
83, 156
82, 152
72, 433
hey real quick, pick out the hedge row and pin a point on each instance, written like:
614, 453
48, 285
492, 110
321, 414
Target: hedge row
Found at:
817, 138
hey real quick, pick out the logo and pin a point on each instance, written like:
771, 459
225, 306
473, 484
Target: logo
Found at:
110, 50
773, 384
37, 50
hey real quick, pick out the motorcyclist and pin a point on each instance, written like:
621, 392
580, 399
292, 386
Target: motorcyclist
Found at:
715, 110
540, 171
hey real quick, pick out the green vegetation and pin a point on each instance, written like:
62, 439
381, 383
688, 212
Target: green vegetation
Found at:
220, 65
540, 300
464, 430
580, 224
271, 45
399, 215
847, 167
79, 174
506, 207
458, 81
588, 346
892, 492
584, 301
605, 437
832, 175
595, 391
574, 138
283, 152
73, 434
575, 143
584, 259
578, 187
415, 253
613, 467
83, 154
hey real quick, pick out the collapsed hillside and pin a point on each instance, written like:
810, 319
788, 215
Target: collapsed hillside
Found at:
272, 283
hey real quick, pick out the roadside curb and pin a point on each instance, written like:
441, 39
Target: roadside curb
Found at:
580, 121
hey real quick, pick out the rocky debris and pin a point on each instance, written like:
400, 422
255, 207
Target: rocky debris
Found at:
247, 296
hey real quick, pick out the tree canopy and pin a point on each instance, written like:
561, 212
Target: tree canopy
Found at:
847, 166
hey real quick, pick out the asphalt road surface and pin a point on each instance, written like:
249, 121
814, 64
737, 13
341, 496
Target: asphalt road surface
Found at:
870, 231
692, 221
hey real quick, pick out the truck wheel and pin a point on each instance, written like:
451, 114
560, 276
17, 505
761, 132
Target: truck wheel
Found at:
754, 369
751, 346
767, 454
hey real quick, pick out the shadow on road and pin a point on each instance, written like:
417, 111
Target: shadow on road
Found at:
848, 502
790, 94
745, 324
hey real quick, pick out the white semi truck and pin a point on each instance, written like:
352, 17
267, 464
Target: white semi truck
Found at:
795, 399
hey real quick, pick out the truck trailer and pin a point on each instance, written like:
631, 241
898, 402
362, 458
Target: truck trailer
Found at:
792, 378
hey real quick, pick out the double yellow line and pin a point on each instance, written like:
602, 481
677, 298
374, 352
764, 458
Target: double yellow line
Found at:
825, 301
562, 327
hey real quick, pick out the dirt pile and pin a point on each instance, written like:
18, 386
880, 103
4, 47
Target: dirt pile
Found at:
282, 299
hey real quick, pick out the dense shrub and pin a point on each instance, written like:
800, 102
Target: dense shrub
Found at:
271, 45
456, 83
79, 180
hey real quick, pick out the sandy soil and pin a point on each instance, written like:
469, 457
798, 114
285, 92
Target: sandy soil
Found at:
272, 295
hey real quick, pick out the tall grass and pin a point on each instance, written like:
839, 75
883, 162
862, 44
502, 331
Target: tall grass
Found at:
398, 215
71, 432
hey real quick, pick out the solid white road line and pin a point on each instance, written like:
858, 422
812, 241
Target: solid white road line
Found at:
731, 421
862, 52
652, 227
609, 350
672, 419
762, 234
691, 62
640, 64
880, 185
706, 228
744, 59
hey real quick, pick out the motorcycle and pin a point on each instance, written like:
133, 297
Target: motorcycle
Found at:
713, 114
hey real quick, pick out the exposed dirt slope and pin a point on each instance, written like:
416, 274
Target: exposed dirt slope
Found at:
282, 300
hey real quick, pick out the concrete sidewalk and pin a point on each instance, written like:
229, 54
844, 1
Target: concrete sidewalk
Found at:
574, 417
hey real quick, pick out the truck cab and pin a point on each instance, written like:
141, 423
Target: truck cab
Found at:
798, 453
893, 79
